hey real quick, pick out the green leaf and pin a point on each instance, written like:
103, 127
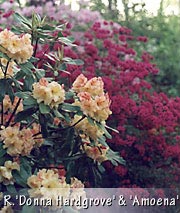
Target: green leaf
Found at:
24, 173
68, 60
30, 101
44, 109
28, 82
91, 121
22, 19
3, 160
29, 209
19, 75
115, 158
62, 67
3, 55
25, 168
114, 130
102, 140
67, 117
33, 59
40, 73
6, 89
69, 95
48, 28
69, 107
27, 68
70, 138
43, 123
2, 150
67, 40
23, 192
58, 114
47, 142
18, 179
102, 127
101, 168
2, 86
23, 115
11, 189
23, 95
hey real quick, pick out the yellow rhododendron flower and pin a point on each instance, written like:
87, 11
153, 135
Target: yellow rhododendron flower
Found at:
17, 142
6, 172
97, 153
8, 105
16, 47
85, 129
9, 71
34, 181
47, 184
79, 83
95, 86
51, 94
7, 209
86, 103
10, 137
92, 99
35, 130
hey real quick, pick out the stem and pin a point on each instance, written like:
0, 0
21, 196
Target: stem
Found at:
13, 113
2, 68
32, 37
38, 138
78, 121
31, 123
6, 69
35, 49
37, 134
2, 113
65, 128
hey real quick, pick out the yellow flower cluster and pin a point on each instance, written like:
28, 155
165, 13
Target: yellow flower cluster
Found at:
97, 153
6, 172
9, 106
87, 130
18, 142
7, 209
16, 47
94, 86
51, 94
37, 139
3, 63
48, 184
77, 190
92, 99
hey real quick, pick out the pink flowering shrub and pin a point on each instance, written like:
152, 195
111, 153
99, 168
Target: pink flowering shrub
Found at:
148, 122
55, 12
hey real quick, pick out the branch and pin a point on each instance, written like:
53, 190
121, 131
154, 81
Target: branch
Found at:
13, 113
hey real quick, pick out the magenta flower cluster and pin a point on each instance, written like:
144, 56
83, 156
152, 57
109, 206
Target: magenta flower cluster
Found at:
148, 122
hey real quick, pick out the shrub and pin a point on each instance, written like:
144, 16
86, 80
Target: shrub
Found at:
52, 135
